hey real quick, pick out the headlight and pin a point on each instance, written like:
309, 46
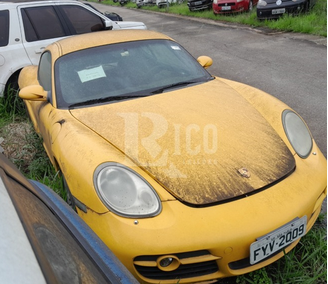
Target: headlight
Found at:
297, 133
262, 3
125, 192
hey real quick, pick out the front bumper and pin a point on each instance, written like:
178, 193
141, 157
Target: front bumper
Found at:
199, 5
213, 242
273, 11
229, 7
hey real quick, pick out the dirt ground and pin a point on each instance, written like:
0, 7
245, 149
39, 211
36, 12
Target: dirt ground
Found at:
14, 142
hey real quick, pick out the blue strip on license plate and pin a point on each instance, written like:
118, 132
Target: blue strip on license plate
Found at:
278, 239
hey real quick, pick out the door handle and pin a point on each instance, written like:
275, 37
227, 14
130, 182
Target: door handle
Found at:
40, 50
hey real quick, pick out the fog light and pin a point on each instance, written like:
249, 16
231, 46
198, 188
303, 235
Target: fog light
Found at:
165, 262
168, 263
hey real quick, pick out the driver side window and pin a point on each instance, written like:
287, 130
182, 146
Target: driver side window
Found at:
82, 20
44, 72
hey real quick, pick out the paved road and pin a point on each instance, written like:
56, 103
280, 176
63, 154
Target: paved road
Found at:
291, 67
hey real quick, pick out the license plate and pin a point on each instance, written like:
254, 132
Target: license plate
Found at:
226, 8
278, 239
198, 3
278, 11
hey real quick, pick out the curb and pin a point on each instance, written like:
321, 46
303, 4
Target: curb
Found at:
319, 40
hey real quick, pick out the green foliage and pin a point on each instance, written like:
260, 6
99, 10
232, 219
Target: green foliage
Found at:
314, 22
11, 106
256, 277
30, 158
39, 167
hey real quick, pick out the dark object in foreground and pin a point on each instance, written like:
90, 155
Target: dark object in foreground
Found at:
44, 241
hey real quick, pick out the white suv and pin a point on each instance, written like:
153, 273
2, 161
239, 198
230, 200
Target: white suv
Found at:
27, 27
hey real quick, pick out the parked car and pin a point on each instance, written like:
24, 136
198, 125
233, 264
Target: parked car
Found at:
273, 9
165, 3
122, 2
110, 15
197, 5
141, 3
27, 27
233, 6
43, 240
185, 176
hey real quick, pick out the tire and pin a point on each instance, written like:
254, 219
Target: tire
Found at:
12, 84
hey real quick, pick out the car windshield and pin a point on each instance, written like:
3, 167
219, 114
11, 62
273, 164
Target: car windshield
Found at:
124, 71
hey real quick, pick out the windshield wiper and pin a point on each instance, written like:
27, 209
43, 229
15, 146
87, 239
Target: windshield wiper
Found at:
180, 84
102, 100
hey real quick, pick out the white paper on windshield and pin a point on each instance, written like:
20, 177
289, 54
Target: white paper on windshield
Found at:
91, 74
175, 47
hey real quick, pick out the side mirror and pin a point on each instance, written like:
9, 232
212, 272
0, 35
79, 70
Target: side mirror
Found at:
205, 61
33, 93
108, 25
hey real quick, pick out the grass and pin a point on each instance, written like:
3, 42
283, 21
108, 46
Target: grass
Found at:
314, 22
305, 264
27, 153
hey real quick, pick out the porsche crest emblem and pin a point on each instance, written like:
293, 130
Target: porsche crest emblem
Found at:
244, 172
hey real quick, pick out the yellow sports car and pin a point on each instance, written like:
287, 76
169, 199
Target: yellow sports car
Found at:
185, 176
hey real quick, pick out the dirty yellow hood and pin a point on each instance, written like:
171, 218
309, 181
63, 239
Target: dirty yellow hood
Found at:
204, 144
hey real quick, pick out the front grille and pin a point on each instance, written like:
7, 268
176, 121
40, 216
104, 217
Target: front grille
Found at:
199, 263
226, 4
244, 263
199, 3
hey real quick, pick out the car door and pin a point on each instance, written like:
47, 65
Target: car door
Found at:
42, 25
12, 54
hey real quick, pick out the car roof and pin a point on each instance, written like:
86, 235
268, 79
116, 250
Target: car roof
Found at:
84, 41
32, 1
17, 2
